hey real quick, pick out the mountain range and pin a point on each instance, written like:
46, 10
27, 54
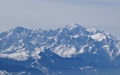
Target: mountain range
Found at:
71, 50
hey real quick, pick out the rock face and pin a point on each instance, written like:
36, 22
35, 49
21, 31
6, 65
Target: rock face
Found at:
73, 49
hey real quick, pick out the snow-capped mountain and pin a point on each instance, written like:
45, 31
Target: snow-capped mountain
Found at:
75, 48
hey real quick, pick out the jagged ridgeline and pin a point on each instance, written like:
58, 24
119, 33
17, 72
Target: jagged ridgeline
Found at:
72, 50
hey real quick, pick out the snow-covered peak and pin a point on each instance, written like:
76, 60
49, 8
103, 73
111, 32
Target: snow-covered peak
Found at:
73, 26
93, 30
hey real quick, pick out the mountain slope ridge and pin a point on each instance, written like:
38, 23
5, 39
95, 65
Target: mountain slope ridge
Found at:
73, 49
66, 42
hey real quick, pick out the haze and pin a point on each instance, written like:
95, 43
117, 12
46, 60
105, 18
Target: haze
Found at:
52, 14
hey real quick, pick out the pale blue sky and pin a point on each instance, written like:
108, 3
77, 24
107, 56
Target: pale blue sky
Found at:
51, 14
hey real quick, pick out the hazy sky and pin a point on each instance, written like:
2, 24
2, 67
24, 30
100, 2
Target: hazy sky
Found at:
46, 14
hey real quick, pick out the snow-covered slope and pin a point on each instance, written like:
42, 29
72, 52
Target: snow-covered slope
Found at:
71, 42
21, 43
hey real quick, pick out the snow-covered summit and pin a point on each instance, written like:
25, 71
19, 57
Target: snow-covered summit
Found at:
73, 26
